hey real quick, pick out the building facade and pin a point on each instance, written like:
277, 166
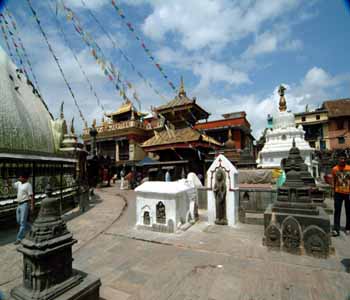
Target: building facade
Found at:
315, 125
233, 126
328, 127
339, 123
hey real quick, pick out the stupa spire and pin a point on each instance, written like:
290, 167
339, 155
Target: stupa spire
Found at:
61, 110
283, 102
182, 91
72, 130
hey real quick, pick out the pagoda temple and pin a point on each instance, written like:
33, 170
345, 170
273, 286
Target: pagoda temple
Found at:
121, 134
179, 140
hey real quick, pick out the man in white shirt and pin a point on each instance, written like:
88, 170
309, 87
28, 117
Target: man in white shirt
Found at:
25, 201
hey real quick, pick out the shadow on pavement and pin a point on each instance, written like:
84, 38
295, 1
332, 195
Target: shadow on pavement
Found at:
8, 236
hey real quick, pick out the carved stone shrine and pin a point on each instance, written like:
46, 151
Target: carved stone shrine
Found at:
47, 260
222, 193
295, 223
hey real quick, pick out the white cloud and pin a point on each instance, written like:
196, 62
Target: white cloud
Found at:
279, 39
264, 43
213, 24
208, 70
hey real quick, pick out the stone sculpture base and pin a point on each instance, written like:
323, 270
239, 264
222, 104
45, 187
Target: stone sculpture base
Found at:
86, 288
298, 233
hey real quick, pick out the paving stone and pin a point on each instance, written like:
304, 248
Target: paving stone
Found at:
139, 265
107, 292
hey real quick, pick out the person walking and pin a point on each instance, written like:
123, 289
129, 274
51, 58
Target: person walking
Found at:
122, 174
341, 187
25, 199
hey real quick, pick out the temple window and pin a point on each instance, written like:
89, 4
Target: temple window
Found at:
341, 140
160, 213
303, 119
318, 117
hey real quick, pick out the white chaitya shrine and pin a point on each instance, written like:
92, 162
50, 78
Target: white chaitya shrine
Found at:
279, 138
165, 206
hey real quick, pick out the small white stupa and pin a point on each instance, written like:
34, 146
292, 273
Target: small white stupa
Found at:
279, 138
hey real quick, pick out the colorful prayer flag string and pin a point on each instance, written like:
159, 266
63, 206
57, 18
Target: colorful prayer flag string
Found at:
143, 45
4, 34
56, 59
10, 36
16, 30
60, 28
123, 54
107, 67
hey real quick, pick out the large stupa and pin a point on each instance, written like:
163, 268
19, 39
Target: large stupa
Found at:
279, 138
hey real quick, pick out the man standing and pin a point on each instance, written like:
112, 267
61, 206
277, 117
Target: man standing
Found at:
341, 186
25, 200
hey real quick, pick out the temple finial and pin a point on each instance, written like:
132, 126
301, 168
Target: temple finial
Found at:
182, 88
72, 130
61, 110
282, 103
294, 143
94, 123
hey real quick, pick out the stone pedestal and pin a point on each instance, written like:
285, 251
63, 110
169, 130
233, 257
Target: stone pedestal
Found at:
47, 261
222, 194
294, 223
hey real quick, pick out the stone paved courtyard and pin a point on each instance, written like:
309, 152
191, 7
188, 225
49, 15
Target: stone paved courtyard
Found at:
205, 262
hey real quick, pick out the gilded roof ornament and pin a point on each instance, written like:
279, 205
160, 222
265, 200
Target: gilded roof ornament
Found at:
182, 91
61, 110
283, 102
72, 130
94, 123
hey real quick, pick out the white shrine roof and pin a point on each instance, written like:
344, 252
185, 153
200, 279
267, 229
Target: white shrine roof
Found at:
162, 187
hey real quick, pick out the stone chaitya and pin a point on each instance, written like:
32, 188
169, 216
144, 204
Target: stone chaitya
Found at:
47, 260
295, 223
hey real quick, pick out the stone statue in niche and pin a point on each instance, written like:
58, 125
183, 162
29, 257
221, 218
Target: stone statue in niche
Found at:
316, 242
291, 234
220, 197
160, 213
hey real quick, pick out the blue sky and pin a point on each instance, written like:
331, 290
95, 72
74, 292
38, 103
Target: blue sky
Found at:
232, 54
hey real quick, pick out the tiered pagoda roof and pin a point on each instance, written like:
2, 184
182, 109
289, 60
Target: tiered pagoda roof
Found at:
182, 110
179, 136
